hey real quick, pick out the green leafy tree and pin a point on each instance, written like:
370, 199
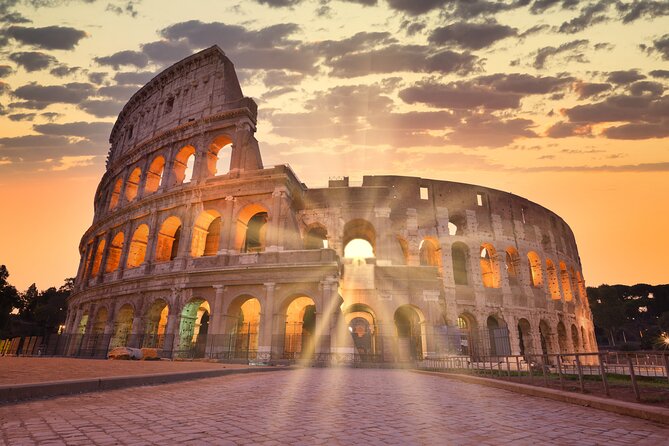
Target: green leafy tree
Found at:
9, 300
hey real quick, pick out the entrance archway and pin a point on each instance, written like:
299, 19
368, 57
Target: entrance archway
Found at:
243, 326
194, 327
156, 324
123, 326
361, 324
409, 333
300, 328
525, 337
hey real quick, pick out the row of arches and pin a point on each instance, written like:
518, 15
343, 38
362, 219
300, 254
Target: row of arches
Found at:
160, 172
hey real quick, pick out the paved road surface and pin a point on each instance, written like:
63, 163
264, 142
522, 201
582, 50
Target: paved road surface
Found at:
319, 406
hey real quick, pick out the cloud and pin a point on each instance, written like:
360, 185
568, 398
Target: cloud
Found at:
17, 117
543, 54
102, 108
118, 92
394, 58
33, 60
134, 77
624, 76
279, 3
472, 36
128, 8
166, 51
4, 87
565, 129
13, 17
539, 6
40, 96
5, 70
63, 71
126, 57
49, 37
455, 8
591, 14
487, 130
643, 167
638, 131
664, 74
94, 131
649, 9
97, 77
356, 43
199, 34
588, 89
281, 78
661, 46
277, 92
639, 88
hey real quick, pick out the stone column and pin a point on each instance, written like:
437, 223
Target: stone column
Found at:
105, 256
266, 323
135, 332
127, 240
228, 226
154, 229
384, 235
272, 242
168, 170
217, 311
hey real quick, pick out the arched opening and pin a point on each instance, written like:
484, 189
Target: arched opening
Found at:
167, 246
553, 285
525, 337
206, 234
194, 328
535, 269
562, 338
581, 287
429, 253
138, 243
183, 165
156, 324
316, 238
361, 324
574, 338
566, 282
116, 194
459, 257
584, 339
468, 328
219, 156
573, 282
100, 321
359, 239
123, 326
244, 325
252, 225
114, 255
489, 266
545, 336
97, 260
154, 176
456, 225
132, 186
409, 333
83, 322
404, 249
512, 265
498, 336
299, 339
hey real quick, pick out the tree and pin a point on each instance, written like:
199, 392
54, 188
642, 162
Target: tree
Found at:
9, 299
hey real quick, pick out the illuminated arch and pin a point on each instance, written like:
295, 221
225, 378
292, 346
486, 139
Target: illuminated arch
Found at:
206, 234
123, 326
566, 282
167, 245
138, 243
97, 260
114, 254
219, 155
429, 252
512, 265
184, 163
252, 222
132, 185
300, 327
489, 266
359, 239
553, 285
410, 332
154, 176
115, 194
536, 276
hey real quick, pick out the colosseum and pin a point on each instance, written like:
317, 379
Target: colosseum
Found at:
198, 249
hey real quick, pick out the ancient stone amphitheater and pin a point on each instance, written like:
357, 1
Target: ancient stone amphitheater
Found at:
198, 249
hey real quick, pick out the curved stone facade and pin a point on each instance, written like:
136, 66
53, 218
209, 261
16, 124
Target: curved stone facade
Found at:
198, 249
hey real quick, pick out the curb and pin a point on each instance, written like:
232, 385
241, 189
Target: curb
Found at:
20, 392
656, 414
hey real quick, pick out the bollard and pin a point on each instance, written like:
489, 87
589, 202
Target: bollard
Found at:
580, 374
602, 370
635, 386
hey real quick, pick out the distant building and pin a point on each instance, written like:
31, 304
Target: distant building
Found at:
199, 249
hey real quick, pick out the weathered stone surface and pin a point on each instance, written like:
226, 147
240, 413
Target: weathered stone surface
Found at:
125, 353
150, 354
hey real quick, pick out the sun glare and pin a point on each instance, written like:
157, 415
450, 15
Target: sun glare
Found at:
358, 248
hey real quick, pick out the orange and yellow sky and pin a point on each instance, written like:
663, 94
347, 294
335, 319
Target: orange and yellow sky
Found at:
560, 101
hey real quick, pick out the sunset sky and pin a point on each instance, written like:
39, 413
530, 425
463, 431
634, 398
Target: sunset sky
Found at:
563, 102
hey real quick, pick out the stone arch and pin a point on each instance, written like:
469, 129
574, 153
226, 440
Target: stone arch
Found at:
566, 282
252, 223
581, 287
184, 163
97, 259
100, 320
536, 275
219, 155
404, 249
489, 266
429, 252
243, 325
361, 322
456, 224
316, 237
132, 184
114, 255
512, 265
138, 243
525, 343
123, 326
553, 285
155, 323
300, 326
194, 326
115, 194
460, 257
546, 337
410, 327
574, 338
363, 235
154, 176
167, 244
498, 336
562, 337
206, 234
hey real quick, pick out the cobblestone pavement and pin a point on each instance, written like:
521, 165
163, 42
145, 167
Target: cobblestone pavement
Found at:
319, 406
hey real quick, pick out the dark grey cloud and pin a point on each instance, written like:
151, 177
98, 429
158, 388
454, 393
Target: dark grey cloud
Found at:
128, 8
543, 54
279, 3
200, 34
472, 36
413, 27
4, 87
533, 30
394, 58
653, 89
50, 116
661, 46
358, 42
643, 167
486, 130
635, 131
623, 77
33, 60
40, 96
276, 92
416, 7
525, 83
5, 70
46, 149
539, 6
97, 77
118, 92
588, 89
166, 51
282, 78
17, 117
662, 74
460, 9
107, 108
590, 15
49, 37
566, 129
649, 9
14, 18
134, 77
94, 131
63, 70
124, 58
